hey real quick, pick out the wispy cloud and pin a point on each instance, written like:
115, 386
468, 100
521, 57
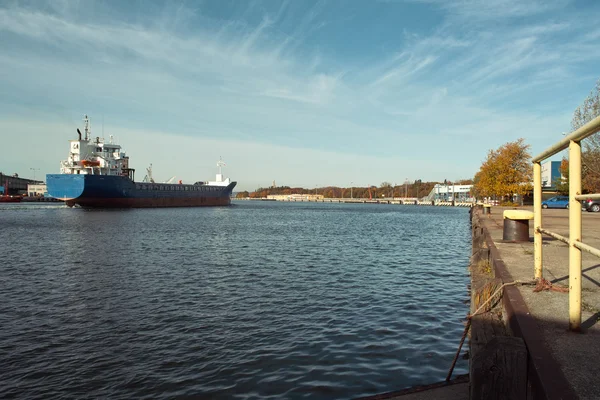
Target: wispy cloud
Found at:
291, 75
477, 10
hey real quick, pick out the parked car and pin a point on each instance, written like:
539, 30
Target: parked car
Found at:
591, 205
556, 202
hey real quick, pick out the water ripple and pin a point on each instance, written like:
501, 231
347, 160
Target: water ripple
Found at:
258, 300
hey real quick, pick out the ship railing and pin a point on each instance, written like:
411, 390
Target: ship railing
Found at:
576, 246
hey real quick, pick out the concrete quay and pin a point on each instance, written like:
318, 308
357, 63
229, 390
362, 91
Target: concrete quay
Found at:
561, 364
383, 200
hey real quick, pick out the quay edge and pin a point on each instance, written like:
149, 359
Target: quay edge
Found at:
544, 377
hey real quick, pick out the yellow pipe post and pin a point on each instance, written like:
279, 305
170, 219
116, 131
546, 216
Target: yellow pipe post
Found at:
574, 236
537, 219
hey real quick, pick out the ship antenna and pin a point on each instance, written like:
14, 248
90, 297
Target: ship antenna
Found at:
220, 164
87, 128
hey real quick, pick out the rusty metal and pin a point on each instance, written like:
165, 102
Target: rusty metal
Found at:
544, 284
515, 230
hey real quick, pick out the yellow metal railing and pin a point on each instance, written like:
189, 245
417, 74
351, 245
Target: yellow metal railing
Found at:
573, 143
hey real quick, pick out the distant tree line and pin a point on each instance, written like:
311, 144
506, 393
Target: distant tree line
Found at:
417, 188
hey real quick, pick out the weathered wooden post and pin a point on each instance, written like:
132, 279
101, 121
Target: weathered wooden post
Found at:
499, 370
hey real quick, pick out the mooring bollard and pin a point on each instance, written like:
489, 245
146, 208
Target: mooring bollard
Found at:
487, 209
516, 225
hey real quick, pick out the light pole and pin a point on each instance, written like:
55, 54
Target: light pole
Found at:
34, 169
406, 188
351, 183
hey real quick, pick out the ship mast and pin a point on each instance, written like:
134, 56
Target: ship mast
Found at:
87, 128
220, 164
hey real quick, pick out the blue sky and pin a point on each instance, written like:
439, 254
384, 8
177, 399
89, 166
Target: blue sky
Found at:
306, 93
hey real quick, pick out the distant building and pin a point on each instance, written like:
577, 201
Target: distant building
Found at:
13, 184
36, 190
550, 174
295, 197
449, 192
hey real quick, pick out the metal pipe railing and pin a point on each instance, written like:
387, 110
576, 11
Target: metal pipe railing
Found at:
537, 220
556, 236
574, 236
586, 130
588, 196
588, 248
573, 143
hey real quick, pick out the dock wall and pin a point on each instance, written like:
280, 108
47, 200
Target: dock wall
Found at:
402, 201
543, 376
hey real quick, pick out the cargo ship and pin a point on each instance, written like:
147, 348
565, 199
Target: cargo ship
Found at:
96, 174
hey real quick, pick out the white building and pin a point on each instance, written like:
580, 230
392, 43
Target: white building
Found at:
551, 174
449, 192
295, 197
36, 190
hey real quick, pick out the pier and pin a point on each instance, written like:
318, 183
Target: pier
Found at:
560, 363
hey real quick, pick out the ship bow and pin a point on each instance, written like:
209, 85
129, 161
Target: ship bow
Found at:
65, 186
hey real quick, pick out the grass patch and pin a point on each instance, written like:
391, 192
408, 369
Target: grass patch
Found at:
483, 267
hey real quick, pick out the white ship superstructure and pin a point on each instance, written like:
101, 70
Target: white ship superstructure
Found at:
89, 156
220, 179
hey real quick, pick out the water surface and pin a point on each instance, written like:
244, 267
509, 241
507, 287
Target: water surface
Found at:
263, 300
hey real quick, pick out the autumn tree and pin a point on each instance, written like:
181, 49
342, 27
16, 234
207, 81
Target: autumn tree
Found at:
386, 188
464, 182
477, 189
562, 185
590, 154
505, 171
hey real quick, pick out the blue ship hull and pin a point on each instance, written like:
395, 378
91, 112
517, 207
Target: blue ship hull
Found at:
102, 191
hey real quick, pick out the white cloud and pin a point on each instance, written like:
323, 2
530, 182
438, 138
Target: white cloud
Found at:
264, 99
483, 10
191, 159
